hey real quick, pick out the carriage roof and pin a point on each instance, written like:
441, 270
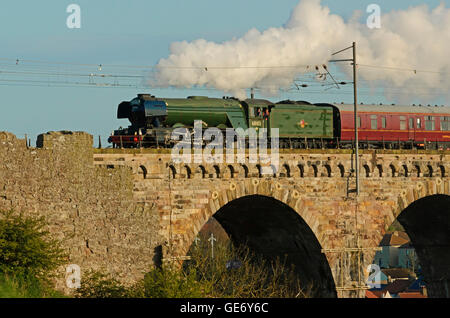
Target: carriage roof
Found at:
394, 108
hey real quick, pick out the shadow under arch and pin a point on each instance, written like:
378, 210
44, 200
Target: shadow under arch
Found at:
427, 223
273, 230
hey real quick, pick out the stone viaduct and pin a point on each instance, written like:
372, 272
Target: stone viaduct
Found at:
124, 210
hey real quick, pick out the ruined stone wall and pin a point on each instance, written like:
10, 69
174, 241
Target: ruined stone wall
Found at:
90, 208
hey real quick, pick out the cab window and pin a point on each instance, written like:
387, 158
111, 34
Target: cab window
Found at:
257, 111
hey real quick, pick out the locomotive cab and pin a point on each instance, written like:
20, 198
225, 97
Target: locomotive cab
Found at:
143, 113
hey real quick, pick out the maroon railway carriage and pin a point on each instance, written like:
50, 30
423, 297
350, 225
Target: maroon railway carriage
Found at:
394, 125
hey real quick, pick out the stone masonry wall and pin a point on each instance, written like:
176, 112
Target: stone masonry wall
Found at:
90, 208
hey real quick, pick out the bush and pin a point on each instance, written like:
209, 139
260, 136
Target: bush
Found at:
97, 284
168, 282
157, 283
236, 272
204, 276
26, 249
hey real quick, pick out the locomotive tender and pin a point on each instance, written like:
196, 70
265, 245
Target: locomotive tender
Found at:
300, 124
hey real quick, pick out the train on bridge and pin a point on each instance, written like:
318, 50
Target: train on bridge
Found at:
301, 124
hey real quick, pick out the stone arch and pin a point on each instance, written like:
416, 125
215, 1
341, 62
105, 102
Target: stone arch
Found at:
244, 169
327, 171
143, 171
285, 171
429, 171
418, 191
314, 170
272, 228
188, 171
301, 170
258, 172
426, 221
423, 211
366, 170
404, 171
442, 171
341, 170
200, 171
172, 172
379, 170
216, 171
230, 173
417, 170
393, 170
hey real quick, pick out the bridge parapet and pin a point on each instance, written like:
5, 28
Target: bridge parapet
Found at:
291, 165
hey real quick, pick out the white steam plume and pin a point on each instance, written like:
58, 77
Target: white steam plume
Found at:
418, 38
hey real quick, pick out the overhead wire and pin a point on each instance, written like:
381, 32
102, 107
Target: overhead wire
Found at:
23, 68
18, 61
415, 70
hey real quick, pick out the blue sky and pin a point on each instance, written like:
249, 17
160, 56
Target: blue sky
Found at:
134, 32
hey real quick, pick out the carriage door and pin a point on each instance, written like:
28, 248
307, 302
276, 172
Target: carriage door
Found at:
411, 128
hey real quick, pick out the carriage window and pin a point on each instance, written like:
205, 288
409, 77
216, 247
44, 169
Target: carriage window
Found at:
419, 123
373, 122
383, 122
402, 123
359, 122
445, 123
411, 123
429, 123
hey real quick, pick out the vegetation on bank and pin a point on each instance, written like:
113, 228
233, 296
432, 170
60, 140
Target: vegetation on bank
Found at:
29, 258
232, 273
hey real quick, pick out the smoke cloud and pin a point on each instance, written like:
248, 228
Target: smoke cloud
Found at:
416, 38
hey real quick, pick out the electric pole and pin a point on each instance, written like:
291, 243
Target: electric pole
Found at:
358, 249
355, 101
355, 109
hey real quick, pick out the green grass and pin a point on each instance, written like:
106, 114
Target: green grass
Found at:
15, 287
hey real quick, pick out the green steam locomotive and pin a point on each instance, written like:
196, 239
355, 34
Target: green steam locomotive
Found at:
153, 119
